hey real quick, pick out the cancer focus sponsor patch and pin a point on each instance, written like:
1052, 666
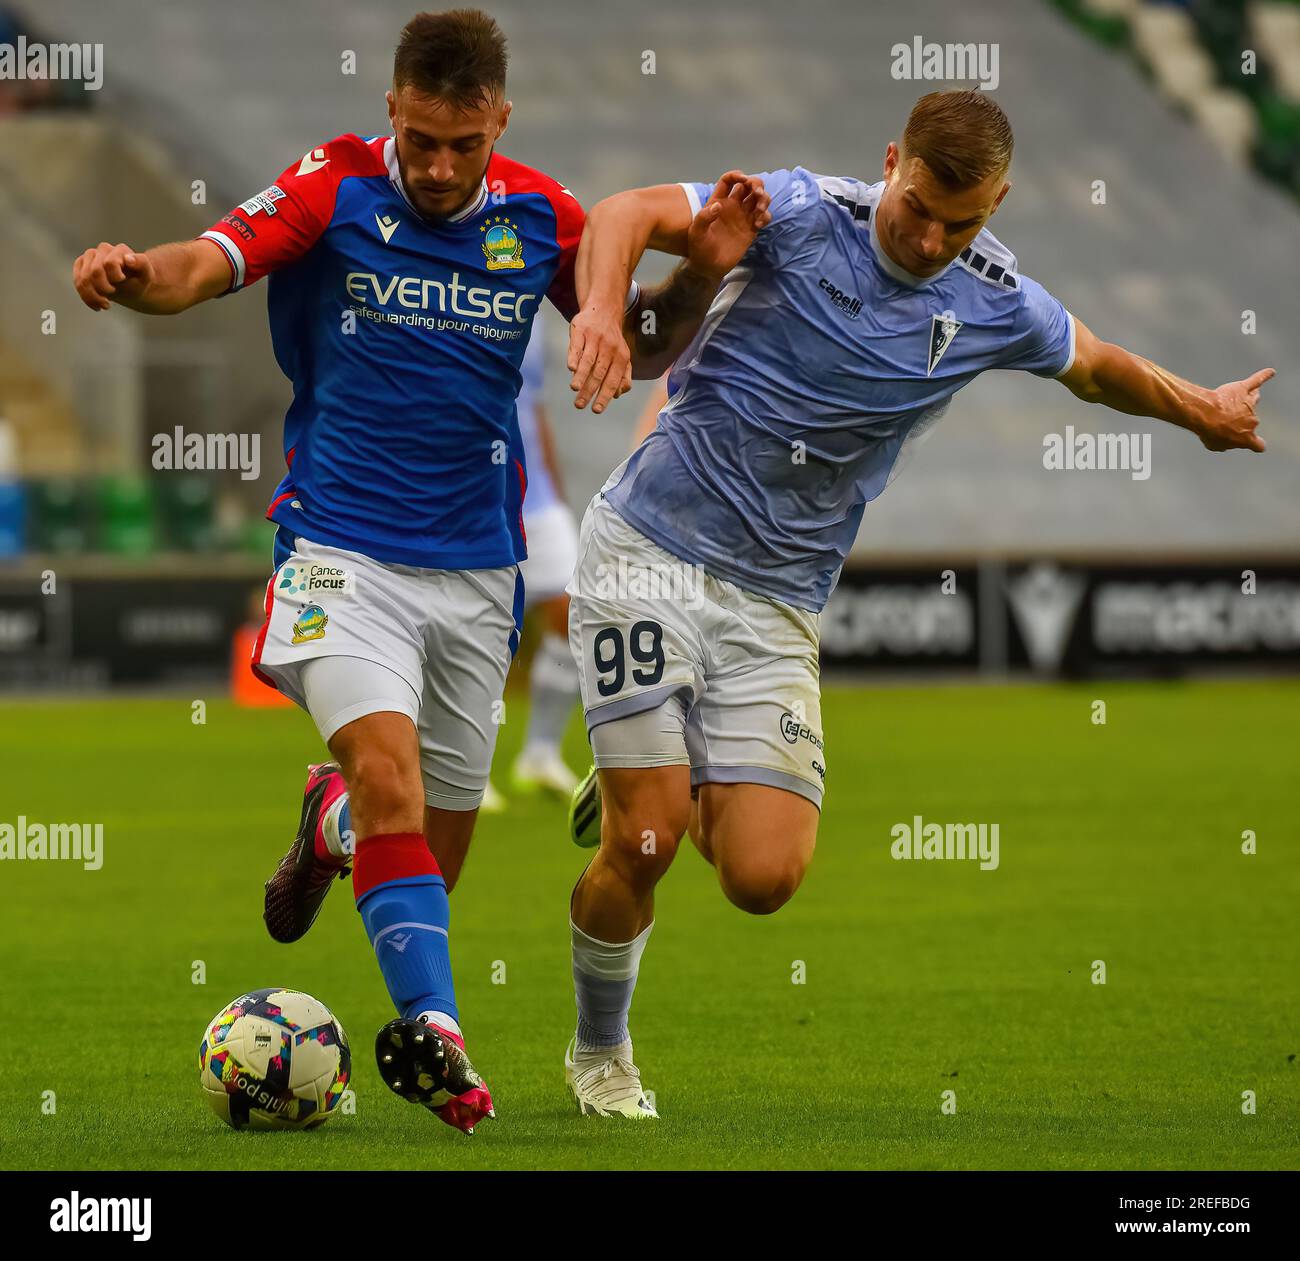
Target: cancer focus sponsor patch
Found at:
300, 579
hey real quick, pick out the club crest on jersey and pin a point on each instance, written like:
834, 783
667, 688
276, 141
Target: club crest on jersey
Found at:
311, 624
943, 329
502, 247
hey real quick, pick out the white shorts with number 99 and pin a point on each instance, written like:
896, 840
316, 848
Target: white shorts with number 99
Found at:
678, 666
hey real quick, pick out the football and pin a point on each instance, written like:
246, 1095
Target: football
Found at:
274, 1059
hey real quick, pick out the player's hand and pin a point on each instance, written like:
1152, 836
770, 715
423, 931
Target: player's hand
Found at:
1232, 422
737, 210
599, 358
111, 273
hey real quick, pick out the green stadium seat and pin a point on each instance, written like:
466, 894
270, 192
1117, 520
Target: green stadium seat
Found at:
1279, 119
126, 517
258, 538
187, 511
60, 516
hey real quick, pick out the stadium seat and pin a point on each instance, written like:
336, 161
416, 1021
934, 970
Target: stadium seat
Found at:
13, 519
1107, 21
1229, 120
1161, 28
1124, 9
126, 516
1279, 119
186, 511
1275, 29
59, 516
1184, 73
257, 538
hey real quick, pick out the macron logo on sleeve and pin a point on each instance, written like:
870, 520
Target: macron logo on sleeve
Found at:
312, 161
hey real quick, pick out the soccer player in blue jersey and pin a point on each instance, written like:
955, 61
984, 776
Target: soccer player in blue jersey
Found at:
824, 358
405, 273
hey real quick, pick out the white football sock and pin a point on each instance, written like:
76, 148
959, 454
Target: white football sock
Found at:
604, 976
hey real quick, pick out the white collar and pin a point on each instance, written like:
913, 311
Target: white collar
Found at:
395, 179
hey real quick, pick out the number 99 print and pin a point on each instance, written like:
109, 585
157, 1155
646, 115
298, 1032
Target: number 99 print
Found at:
736, 672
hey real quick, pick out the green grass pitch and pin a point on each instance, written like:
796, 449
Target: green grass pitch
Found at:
1119, 843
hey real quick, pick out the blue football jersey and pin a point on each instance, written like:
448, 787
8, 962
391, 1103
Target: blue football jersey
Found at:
819, 366
403, 339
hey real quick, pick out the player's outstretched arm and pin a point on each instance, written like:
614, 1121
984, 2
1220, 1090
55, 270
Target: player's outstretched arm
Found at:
608, 345
160, 281
1223, 419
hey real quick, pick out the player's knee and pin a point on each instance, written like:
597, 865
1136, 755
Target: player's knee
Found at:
641, 851
761, 887
384, 786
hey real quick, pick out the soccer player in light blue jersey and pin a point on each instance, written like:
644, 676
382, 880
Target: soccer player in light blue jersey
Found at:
706, 559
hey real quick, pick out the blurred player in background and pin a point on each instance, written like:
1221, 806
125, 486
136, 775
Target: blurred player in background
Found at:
552, 536
825, 356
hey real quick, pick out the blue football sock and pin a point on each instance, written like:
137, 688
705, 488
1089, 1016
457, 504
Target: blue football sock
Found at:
406, 918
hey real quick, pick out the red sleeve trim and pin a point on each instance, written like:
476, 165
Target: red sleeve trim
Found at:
277, 226
515, 177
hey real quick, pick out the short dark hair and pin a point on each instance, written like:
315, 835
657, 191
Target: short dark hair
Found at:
458, 56
962, 136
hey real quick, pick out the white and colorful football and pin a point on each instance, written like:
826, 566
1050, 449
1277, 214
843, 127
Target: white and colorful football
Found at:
274, 1060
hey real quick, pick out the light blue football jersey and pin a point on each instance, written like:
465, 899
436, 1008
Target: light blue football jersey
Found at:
819, 366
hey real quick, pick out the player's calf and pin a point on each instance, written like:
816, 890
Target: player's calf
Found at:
645, 816
401, 895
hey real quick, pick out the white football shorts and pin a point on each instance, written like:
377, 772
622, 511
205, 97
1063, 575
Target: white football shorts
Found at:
347, 636
678, 666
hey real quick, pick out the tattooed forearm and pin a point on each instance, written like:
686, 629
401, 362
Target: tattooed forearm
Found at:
664, 319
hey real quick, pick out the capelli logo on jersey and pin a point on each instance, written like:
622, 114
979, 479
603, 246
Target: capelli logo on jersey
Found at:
452, 296
845, 301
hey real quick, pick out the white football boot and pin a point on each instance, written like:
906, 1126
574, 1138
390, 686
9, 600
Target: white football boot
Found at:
540, 767
606, 1083
493, 802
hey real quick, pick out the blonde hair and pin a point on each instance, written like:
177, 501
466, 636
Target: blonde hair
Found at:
962, 136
